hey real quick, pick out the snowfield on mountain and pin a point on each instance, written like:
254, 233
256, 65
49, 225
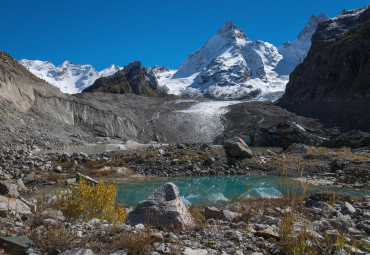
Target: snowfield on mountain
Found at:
69, 77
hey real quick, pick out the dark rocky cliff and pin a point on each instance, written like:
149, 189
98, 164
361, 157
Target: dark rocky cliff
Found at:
333, 82
134, 78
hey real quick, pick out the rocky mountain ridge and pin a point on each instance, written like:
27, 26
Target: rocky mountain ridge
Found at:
133, 78
294, 52
333, 82
34, 112
20, 87
68, 77
228, 66
40, 115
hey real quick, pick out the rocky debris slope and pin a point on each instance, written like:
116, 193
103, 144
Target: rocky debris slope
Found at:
352, 139
163, 209
133, 78
20, 122
68, 77
265, 124
332, 83
20, 87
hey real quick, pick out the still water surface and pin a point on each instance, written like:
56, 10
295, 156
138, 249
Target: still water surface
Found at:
211, 190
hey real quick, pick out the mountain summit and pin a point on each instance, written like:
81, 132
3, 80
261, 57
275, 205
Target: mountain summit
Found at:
230, 30
311, 26
228, 66
231, 66
133, 78
228, 35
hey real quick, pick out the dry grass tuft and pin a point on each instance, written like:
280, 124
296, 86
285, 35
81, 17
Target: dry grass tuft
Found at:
198, 215
135, 243
361, 157
66, 165
346, 149
205, 155
320, 150
55, 177
55, 237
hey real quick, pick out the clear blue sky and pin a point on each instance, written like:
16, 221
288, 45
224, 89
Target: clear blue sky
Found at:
155, 32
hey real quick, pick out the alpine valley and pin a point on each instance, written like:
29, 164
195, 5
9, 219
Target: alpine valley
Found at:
246, 148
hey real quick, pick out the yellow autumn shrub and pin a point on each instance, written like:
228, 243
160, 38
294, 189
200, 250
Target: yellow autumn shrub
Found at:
86, 201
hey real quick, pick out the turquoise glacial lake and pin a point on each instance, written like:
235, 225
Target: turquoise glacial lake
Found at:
213, 190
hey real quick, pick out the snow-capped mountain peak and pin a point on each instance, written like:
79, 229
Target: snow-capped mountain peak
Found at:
109, 70
294, 52
227, 38
231, 66
228, 66
68, 77
230, 31
310, 28
66, 63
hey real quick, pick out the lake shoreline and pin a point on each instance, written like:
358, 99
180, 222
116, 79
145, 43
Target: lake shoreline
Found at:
248, 224
317, 166
324, 167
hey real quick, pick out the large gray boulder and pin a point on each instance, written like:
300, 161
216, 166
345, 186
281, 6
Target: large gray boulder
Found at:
164, 209
237, 148
16, 245
86, 178
9, 189
14, 205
